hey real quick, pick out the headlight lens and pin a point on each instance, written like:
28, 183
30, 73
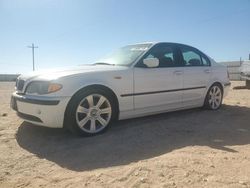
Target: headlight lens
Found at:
41, 87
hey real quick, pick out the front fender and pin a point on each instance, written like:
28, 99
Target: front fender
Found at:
119, 82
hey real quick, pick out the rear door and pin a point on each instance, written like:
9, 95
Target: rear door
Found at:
196, 76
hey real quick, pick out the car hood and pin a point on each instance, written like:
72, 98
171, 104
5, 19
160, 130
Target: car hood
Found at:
53, 74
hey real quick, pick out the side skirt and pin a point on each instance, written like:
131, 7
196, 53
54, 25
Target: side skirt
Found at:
145, 112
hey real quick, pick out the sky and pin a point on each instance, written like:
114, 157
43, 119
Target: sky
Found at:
75, 32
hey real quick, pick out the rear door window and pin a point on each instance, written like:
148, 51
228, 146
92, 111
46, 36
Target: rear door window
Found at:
191, 57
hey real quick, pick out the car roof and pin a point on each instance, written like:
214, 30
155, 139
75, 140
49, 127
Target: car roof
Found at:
171, 43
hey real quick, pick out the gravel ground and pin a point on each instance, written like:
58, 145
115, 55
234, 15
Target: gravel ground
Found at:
191, 148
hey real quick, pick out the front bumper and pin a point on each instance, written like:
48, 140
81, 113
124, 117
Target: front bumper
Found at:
44, 111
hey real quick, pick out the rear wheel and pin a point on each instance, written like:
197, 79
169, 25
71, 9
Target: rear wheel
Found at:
90, 112
214, 97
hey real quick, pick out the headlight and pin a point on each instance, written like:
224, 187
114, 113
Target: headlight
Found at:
42, 87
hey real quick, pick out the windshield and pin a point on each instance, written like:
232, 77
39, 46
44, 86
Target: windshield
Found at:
125, 56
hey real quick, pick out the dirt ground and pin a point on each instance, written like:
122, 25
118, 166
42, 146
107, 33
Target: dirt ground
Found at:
191, 148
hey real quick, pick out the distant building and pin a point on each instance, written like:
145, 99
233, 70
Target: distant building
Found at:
8, 77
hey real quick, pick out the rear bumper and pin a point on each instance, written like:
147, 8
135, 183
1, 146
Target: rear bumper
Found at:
43, 111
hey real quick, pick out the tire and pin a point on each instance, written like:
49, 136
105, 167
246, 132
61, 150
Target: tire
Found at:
90, 112
248, 84
214, 97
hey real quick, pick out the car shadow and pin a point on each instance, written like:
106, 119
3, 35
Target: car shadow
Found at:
240, 87
137, 139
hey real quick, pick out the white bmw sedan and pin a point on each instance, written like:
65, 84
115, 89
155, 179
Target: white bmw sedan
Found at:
136, 80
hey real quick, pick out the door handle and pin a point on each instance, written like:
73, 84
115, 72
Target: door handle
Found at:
178, 72
207, 71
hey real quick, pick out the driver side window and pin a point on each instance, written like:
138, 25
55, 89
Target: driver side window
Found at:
164, 53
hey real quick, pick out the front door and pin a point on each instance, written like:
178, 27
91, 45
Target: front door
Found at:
158, 88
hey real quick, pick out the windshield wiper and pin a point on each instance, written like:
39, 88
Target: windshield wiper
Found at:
103, 63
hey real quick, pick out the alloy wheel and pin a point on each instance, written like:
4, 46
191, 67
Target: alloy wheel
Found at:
215, 97
93, 113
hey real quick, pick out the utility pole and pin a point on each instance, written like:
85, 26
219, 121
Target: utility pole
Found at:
33, 54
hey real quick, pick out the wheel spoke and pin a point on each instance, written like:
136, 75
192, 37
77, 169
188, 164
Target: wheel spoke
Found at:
102, 121
90, 100
210, 101
213, 104
92, 125
105, 110
83, 121
217, 92
212, 90
81, 109
217, 102
100, 102
218, 97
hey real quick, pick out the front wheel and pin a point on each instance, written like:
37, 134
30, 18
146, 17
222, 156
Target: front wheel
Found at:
214, 97
90, 112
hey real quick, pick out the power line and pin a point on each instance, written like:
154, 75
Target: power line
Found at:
33, 54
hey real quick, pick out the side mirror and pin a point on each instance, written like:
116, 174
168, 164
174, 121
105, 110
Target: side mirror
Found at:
151, 62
